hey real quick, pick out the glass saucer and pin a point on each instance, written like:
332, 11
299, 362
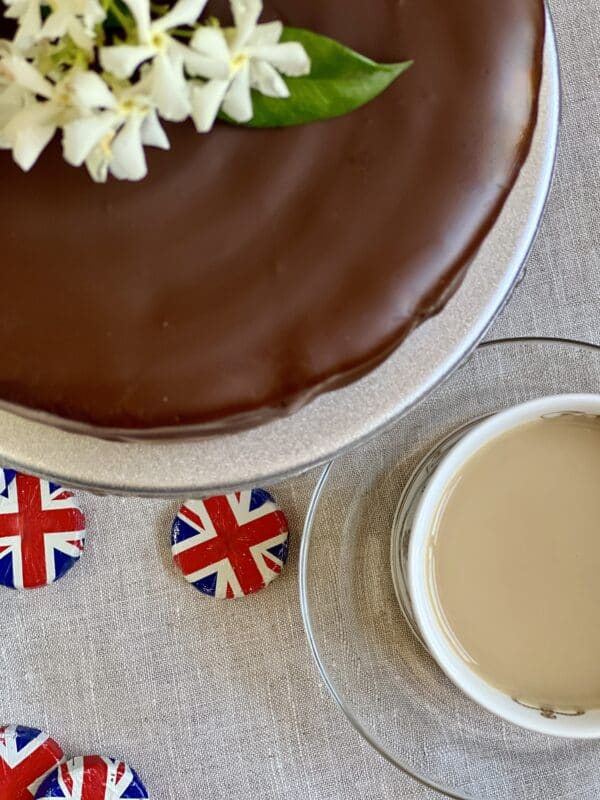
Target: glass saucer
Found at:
376, 668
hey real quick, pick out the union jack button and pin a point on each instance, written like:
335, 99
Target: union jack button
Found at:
26, 756
92, 778
230, 545
42, 531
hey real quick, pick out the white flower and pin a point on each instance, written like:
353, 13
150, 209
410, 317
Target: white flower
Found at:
12, 97
77, 18
105, 130
170, 58
7, 48
254, 59
29, 15
112, 130
32, 127
12, 100
45, 85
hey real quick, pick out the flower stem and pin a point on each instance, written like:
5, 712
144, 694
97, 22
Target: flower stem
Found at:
185, 33
124, 20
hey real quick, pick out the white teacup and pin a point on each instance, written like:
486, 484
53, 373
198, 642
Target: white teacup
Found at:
582, 725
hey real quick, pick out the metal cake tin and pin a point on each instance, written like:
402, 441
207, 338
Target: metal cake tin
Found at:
336, 421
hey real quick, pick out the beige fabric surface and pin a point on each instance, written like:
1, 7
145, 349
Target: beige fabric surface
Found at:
221, 700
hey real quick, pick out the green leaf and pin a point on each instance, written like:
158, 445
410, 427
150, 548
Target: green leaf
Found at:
340, 81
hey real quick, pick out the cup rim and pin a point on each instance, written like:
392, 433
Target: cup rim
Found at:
451, 663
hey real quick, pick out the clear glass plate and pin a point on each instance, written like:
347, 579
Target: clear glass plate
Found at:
377, 670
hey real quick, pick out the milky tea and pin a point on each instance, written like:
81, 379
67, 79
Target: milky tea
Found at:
514, 563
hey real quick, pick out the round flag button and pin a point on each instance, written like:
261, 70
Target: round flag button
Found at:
230, 545
93, 777
42, 531
26, 756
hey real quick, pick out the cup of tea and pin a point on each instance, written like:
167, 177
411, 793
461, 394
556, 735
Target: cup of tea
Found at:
504, 565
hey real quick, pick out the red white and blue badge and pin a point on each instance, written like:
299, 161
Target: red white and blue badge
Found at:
42, 531
26, 756
92, 778
230, 545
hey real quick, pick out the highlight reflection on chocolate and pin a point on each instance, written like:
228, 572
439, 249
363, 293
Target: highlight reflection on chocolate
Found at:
253, 269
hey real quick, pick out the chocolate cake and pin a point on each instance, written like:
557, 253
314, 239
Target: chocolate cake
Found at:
254, 269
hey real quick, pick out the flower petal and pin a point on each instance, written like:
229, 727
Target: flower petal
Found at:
267, 80
141, 13
211, 42
290, 57
80, 36
198, 64
30, 143
12, 100
15, 10
170, 91
55, 26
37, 113
97, 165
206, 102
26, 75
81, 136
90, 91
123, 60
245, 16
30, 23
153, 134
184, 12
33, 117
238, 100
128, 158
93, 13
267, 33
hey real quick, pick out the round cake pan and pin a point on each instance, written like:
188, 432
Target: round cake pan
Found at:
334, 422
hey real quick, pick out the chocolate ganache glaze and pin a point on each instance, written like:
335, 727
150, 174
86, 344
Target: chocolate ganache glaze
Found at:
254, 269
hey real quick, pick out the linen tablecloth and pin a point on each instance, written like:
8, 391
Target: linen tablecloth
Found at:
221, 700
